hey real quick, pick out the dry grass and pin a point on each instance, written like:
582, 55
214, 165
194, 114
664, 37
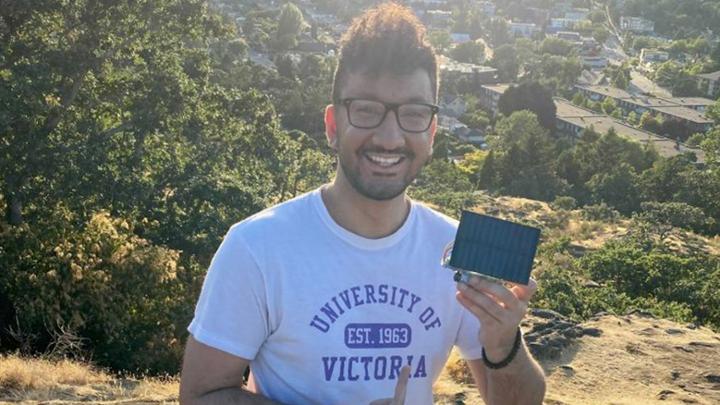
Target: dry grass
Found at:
37, 379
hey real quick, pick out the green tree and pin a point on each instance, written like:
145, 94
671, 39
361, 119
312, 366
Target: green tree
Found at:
290, 25
440, 40
505, 60
556, 46
525, 158
469, 52
533, 97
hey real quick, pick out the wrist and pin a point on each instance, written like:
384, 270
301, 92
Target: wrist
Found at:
501, 356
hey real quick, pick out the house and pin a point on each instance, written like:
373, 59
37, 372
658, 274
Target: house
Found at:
459, 38
595, 61
471, 135
476, 75
564, 24
573, 120
489, 96
453, 106
637, 25
488, 8
577, 14
653, 55
451, 124
527, 30
709, 83
438, 18
677, 109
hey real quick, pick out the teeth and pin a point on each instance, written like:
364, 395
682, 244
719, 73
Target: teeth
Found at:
384, 160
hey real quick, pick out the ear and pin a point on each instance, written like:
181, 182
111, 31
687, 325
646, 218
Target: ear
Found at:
432, 131
331, 126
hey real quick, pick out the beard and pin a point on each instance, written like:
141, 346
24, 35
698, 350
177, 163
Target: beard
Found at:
378, 188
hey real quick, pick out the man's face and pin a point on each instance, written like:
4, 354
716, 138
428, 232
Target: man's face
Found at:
380, 163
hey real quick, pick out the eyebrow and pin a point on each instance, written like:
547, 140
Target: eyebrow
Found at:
413, 99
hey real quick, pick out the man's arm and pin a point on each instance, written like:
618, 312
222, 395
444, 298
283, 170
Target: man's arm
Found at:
211, 376
520, 382
500, 310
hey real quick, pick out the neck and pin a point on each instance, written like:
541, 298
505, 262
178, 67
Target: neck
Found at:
361, 215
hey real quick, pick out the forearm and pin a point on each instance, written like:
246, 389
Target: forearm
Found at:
230, 395
520, 382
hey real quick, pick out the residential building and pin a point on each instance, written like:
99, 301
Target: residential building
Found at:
687, 112
710, 83
595, 61
476, 75
573, 120
637, 25
459, 38
564, 24
438, 18
489, 96
577, 14
488, 8
453, 106
527, 30
696, 103
653, 55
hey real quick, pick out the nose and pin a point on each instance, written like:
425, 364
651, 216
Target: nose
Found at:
389, 135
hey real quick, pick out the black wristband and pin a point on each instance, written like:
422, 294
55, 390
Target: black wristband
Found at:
510, 356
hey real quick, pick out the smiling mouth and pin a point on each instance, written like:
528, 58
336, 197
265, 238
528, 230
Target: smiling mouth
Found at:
384, 160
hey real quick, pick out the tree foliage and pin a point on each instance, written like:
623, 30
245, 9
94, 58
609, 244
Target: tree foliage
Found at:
530, 96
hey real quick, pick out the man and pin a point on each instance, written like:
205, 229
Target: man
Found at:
338, 296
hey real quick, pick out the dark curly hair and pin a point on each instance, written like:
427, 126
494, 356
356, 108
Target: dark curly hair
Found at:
388, 38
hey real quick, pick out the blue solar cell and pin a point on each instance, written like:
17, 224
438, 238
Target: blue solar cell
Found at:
494, 247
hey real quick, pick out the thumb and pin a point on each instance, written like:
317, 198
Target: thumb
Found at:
401, 387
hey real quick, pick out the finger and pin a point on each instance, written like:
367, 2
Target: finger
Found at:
483, 300
485, 318
525, 292
498, 291
401, 386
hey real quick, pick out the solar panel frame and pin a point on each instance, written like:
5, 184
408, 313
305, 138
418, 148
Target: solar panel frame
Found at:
494, 247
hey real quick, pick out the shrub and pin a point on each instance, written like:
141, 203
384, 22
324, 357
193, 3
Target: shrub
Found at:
127, 299
564, 203
600, 212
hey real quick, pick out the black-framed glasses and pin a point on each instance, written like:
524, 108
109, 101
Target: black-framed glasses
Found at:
369, 114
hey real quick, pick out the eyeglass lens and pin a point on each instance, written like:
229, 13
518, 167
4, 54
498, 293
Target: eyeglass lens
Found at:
369, 114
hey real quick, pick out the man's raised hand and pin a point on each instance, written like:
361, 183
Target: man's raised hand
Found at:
400, 390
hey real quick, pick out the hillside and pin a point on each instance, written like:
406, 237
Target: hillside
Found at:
633, 359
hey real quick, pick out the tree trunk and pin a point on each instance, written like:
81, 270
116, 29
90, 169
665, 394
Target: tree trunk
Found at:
13, 212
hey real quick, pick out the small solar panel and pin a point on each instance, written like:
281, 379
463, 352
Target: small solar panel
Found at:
494, 247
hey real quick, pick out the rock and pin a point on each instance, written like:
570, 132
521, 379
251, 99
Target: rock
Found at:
634, 348
674, 331
685, 349
691, 326
591, 284
662, 395
545, 313
674, 374
568, 370
640, 312
713, 378
594, 332
703, 344
647, 332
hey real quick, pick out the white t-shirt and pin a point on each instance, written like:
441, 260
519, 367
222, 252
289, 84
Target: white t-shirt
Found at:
329, 317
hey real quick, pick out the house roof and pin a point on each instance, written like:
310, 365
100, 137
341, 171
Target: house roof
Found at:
666, 147
714, 76
567, 109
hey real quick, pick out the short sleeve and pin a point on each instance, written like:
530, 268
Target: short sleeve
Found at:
468, 341
231, 314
